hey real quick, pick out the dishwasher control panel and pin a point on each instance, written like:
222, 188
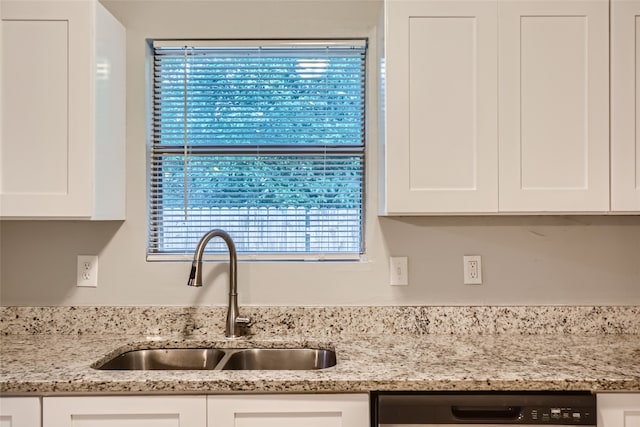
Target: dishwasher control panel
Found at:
560, 415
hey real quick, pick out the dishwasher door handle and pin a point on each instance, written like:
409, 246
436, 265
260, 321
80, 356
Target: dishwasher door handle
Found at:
482, 413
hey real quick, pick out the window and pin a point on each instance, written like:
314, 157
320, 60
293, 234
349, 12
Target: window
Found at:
264, 140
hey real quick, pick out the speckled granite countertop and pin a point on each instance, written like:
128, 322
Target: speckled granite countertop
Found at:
47, 363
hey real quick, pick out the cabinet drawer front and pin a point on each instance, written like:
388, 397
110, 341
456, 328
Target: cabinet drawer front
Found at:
619, 410
125, 411
330, 410
20, 412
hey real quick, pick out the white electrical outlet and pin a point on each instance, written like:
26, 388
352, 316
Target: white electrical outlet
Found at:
472, 269
398, 271
87, 272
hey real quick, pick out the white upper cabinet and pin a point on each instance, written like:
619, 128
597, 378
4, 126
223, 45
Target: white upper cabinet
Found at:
554, 105
63, 111
503, 107
625, 105
441, 107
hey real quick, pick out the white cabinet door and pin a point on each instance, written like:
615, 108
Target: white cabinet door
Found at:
619, 410
20, 412
63, 99
326, 410
554, 105
125, 411
625, 105
441, 107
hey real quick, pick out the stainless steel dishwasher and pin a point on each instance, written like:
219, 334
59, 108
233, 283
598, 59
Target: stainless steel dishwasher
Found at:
482, 409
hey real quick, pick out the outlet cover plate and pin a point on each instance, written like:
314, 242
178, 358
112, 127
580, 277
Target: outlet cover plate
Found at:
472, 269
87, 271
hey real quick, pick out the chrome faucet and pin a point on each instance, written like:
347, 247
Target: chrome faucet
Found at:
234, 324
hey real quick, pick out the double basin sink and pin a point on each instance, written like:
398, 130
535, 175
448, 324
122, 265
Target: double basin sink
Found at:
222, 359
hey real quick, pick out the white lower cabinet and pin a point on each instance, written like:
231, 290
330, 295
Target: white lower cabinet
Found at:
20, 412
265, 410
618, 410
325, 410
125, 411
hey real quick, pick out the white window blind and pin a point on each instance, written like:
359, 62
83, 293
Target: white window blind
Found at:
262, 139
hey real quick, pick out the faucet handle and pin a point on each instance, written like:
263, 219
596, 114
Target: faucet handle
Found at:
246, 321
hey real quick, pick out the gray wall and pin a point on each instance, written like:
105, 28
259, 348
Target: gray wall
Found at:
527, 260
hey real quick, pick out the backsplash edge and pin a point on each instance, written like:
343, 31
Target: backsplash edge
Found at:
324, 321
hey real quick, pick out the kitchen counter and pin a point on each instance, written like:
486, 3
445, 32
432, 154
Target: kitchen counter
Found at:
56, 363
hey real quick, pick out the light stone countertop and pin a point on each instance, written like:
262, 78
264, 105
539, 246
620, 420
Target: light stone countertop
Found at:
51, 350
61, 364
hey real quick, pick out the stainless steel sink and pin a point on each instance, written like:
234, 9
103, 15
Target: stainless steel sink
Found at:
170, 358
280, 358
222, 359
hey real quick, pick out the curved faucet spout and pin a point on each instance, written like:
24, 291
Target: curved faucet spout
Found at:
195, 278
234, 321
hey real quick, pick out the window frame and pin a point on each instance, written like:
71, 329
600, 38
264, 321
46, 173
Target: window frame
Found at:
273, 149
